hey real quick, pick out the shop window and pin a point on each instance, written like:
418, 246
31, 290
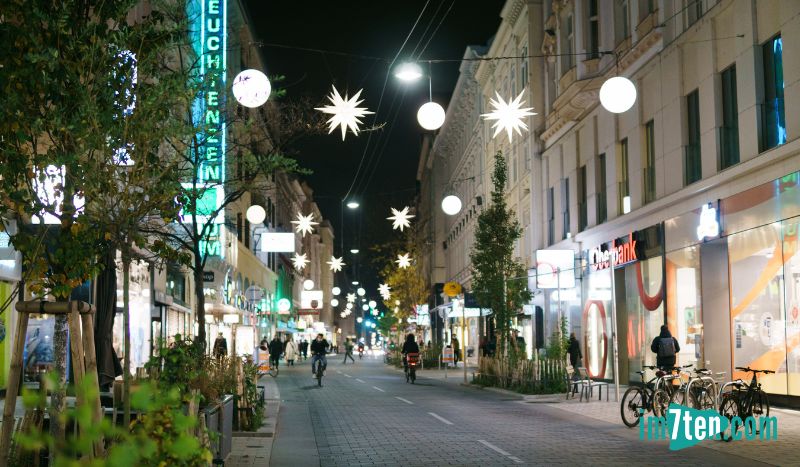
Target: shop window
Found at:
600, 188
729, 132
773, 116
692, 168
595, 333
649, 170
791, 273
176, 285
643, 314
684, 312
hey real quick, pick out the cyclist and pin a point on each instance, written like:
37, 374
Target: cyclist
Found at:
409, 346
319, 347
360, 349
275, 351
666, 348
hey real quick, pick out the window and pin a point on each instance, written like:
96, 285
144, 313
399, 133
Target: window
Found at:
593, 38
513, 166
729, 133
600, 187
692, 171
239, 229
513, 81
694, 10
582, 207
773, 117
567, 46
624, 194
246, 233
649, 163
646, 8
527, 156
551, 216
565, 207
523, 68
621, 21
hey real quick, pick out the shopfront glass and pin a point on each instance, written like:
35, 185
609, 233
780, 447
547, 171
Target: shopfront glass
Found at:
595, 332
644, 306
684, 311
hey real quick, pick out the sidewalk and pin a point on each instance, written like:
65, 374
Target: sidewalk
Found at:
254, 448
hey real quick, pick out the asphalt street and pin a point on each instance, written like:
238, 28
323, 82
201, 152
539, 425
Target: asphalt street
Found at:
366, 414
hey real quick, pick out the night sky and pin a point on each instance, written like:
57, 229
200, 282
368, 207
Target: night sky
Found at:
390, 155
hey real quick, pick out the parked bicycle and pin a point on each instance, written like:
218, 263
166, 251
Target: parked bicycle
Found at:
699, 391
649, 397
740, 399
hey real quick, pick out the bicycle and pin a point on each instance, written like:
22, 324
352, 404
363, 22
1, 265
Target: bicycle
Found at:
411, 362
667, 389
318, 372
743, 400
640, 399
699, 392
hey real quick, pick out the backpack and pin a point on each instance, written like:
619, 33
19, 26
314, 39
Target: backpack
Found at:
666, 347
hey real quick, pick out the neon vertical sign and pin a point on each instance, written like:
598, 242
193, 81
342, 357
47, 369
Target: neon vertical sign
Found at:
209, 24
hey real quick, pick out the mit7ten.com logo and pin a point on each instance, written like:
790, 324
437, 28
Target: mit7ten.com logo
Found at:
685, 427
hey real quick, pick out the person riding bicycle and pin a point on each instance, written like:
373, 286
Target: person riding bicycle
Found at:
319, 347
409, 346
360, 349
666, 349
275, 351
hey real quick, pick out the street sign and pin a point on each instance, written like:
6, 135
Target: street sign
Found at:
254, 293
447, 355
208, 276
451, 289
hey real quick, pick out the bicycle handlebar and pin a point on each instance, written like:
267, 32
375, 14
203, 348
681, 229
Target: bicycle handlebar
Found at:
751, 370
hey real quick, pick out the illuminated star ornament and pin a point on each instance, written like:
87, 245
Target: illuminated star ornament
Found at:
403, 261
384, 289
346, 113
400, 218
351, 298
299, 261
305, 223
508, 115
336, 263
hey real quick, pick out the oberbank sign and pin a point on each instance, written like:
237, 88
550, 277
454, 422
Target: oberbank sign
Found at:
617, 254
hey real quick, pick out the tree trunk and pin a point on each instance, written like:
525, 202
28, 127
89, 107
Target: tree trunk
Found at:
59, 393
200, 304
126, 326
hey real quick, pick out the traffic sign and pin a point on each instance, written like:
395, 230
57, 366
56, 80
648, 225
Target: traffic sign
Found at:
447, 355
451, 289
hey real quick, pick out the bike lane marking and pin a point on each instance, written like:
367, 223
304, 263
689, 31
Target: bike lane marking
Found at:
500, 451
404, 400
360, 381
379, 389
441, 419
347, 375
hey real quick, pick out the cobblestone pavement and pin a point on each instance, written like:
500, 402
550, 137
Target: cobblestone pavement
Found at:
367, 415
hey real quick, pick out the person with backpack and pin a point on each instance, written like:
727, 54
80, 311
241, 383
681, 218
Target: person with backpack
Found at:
666, 348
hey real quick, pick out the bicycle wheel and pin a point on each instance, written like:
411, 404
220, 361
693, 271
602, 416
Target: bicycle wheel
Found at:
632, 403
678, 396
728, 408
413, 375
661, 400
702, 399
760, 406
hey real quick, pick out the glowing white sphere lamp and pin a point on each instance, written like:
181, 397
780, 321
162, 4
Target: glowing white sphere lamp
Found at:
372, 304
334, 302
430, 116
349, 306
308, 284
408, 72
617, 94
336, 290
256, 214
397, 302
361, 291
359, 319
365, 307
251, 88
451, 205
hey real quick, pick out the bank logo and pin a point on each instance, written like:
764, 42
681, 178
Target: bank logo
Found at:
685, 427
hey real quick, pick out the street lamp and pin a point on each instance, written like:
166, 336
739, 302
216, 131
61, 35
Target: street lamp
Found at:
308, 284
361, 291
354, 251
353, 204
451, 205
408, 72
617, 94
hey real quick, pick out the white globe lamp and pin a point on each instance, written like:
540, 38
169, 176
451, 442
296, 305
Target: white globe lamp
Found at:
361, 291
359, 319
617, 94
372, 304
365, 307
430, 116
349, 306
308, 284
451, 205
251, 88
256, 214
334, 302
336, 290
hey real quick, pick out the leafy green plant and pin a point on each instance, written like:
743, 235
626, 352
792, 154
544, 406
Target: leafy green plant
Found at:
251, 398
177, 364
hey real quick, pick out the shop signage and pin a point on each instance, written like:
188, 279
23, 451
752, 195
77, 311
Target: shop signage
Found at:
309, 296
709, 225
451, 289
277, 242
284, 305
555, 269
208, 276
617, 255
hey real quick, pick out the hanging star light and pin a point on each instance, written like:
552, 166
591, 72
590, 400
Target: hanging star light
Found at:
305, 223
509, 115
400, 218
403, 261
384, 289
299, 261
346, 113
351, 297
336, 263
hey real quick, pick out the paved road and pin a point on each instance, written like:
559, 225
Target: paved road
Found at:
365, 414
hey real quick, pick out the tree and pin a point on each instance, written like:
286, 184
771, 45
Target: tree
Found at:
499, 281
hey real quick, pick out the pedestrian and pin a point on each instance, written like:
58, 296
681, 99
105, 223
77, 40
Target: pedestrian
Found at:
290, 350
275, 351
666, 348
220, 346
348, 351
456, 350
304, 348
574, 351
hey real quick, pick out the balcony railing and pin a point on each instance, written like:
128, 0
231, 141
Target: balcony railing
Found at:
649, 179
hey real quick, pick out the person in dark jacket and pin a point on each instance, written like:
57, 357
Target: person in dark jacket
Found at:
409, 346
275, 351
319, 347
666, 348
574, 351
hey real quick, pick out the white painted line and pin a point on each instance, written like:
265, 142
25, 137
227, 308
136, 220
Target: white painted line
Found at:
516, 459
379, 389
359, 380
443, 420
494, 448
347, 375
404, 400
